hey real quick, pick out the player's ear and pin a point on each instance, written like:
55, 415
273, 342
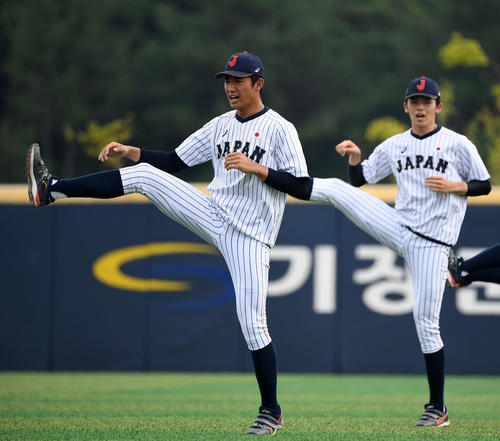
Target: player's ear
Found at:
439, 107
259, 84
405, 105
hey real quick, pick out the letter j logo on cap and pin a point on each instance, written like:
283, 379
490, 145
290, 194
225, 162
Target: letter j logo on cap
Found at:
421, 86
233, 60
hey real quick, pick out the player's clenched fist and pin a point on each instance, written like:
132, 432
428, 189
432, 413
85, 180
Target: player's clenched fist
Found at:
117, 150
351, 149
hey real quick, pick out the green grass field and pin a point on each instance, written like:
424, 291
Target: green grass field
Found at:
168, 406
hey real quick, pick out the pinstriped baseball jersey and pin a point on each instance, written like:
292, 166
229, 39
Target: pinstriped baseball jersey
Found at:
411, 158
243, 201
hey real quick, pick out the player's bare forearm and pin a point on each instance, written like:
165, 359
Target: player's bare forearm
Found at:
442, 185
238, 161
348, 147
117, 150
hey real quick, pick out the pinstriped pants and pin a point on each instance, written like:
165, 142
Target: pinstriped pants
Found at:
246, 258
427, 261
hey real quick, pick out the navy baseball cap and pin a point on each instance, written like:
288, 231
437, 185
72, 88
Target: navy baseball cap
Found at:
243, 64
422, 86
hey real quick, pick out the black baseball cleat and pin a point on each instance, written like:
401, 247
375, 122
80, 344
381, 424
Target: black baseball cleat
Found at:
433, 417
38, 178
265, 424
455, 277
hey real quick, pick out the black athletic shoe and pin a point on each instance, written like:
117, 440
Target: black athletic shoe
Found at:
265, 424
455, 279
38, 178
433, 417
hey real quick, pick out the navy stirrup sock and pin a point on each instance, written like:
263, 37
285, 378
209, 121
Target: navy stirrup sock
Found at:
102, 185
264, 361
434, 364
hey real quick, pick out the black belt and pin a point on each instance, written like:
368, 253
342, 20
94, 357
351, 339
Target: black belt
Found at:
430, 239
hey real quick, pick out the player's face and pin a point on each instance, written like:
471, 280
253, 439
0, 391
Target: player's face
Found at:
422, 111
243, 95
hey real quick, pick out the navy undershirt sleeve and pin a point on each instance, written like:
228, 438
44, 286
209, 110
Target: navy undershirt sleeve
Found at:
356, 176
299, 188
478, 188
166, 161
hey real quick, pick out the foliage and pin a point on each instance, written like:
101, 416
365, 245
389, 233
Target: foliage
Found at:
96, 136
449, 110
384, 127
460, 51
495, 92
484, 130
484, 127
330, 69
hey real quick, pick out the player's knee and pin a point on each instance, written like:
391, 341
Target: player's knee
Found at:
334, 183
326, 190
143, 168
138, 178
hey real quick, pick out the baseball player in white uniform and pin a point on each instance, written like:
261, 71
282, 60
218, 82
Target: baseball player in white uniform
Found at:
435, 170
241, 216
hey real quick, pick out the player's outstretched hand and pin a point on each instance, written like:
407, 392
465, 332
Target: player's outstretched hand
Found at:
354, 152
117, 150
238, 161
442, 185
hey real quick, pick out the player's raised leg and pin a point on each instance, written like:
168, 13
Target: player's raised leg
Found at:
367, 212
177, 199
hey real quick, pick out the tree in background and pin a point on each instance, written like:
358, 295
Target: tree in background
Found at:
66, 62
96, 136
484, 126
384, 127
329, 68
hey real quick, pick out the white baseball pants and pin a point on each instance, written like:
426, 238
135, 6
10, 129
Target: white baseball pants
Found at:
246, 258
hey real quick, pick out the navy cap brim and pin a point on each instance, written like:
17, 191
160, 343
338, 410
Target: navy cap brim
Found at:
232, 73
421, 94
